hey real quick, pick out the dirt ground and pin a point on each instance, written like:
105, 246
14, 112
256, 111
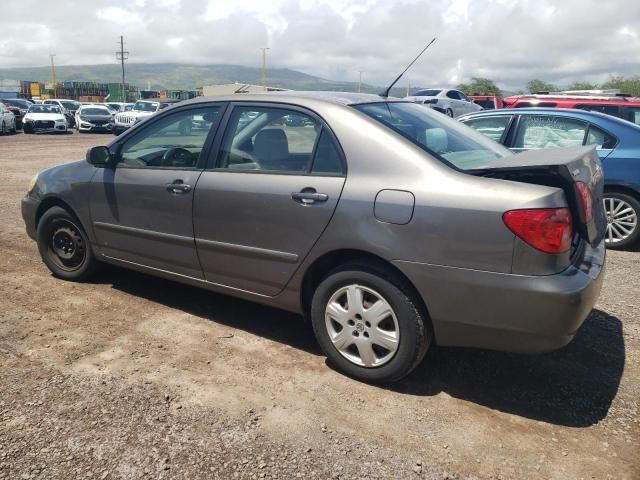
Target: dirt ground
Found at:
132, 377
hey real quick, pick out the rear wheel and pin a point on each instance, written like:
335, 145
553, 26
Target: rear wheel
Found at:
64, 245
623, 215
3, 129
368, 323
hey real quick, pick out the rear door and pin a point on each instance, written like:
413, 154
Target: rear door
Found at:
266, 197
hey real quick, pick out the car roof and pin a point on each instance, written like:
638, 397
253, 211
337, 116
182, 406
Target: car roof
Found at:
562, 112
300, 97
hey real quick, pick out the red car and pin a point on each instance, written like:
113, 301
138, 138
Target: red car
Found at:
19, 108
488, 102
611, 103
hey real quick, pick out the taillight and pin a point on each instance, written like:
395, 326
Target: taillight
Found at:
586, 200
547, 229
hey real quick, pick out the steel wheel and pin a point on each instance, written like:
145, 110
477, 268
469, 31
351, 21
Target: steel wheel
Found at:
66, 247
622, 220
362, 326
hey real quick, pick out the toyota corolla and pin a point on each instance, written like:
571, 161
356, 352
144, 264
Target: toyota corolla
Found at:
389, 226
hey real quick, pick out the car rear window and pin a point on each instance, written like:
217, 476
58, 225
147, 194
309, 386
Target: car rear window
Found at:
441, 136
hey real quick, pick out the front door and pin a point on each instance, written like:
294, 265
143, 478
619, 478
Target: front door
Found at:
142, 208
267, 197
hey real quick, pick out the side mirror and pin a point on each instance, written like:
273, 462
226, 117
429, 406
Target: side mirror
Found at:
99, 156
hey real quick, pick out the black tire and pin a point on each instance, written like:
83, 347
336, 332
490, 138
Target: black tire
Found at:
26, 128
449, 112
3, 129
634, 237
58, 225
413, 324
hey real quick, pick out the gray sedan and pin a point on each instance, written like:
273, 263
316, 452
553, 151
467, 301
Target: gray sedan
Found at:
387, 225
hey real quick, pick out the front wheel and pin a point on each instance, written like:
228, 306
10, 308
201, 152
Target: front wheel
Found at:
369, 324
623, 212
450, 112
64, 246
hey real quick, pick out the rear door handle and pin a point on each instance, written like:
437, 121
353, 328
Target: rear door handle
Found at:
309, 197
177, 187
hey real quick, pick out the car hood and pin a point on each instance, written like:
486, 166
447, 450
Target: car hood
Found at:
135, 114
44, 116
89, 118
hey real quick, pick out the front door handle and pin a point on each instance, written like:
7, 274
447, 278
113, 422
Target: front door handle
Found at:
309, 196
178, 186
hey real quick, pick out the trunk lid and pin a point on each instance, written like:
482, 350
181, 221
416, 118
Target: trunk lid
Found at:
563, 168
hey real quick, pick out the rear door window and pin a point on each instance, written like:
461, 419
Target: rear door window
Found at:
600, 139
541, 131
493, 127
277, 140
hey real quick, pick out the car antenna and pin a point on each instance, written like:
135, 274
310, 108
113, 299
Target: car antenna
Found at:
385, 94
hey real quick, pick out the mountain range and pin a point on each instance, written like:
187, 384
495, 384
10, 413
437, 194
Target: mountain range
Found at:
159, 76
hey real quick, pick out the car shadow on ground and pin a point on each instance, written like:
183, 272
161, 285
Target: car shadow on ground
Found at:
271, 323
574, 386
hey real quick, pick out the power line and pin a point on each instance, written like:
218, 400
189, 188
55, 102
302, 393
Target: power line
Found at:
122, 56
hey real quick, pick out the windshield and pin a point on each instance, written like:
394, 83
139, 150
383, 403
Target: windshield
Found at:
145, 106
95, 111
427, 93
70, 105
23, 104
44, 109
436, 133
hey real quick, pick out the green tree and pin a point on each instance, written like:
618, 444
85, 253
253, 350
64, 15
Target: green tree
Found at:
625, 85
535, 86
481, 86
581, 86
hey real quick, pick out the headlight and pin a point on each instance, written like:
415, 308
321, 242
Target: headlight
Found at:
32, 183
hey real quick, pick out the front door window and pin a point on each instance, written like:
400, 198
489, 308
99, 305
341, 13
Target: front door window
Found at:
175, 141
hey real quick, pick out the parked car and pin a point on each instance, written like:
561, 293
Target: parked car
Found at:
68, 108
119, 106
45, 119
451, 102
7, 120
487, 102
617, 143
140, 110
18, 106
388, 225
618, 105
94, 118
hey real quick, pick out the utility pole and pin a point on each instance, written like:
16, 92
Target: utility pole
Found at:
264, 68
53, 76
360, 81
122, 56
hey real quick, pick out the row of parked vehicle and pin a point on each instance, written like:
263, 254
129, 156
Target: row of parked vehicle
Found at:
61, 115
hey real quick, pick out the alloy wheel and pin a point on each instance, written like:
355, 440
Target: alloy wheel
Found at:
622, 220
362, 326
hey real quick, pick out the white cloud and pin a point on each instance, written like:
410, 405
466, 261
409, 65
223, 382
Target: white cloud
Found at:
511, 41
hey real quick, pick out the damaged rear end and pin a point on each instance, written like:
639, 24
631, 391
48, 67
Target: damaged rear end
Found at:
550, 239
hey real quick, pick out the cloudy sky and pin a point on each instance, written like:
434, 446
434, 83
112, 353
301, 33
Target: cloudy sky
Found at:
510, 41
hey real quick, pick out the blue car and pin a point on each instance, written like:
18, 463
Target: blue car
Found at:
617, 143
